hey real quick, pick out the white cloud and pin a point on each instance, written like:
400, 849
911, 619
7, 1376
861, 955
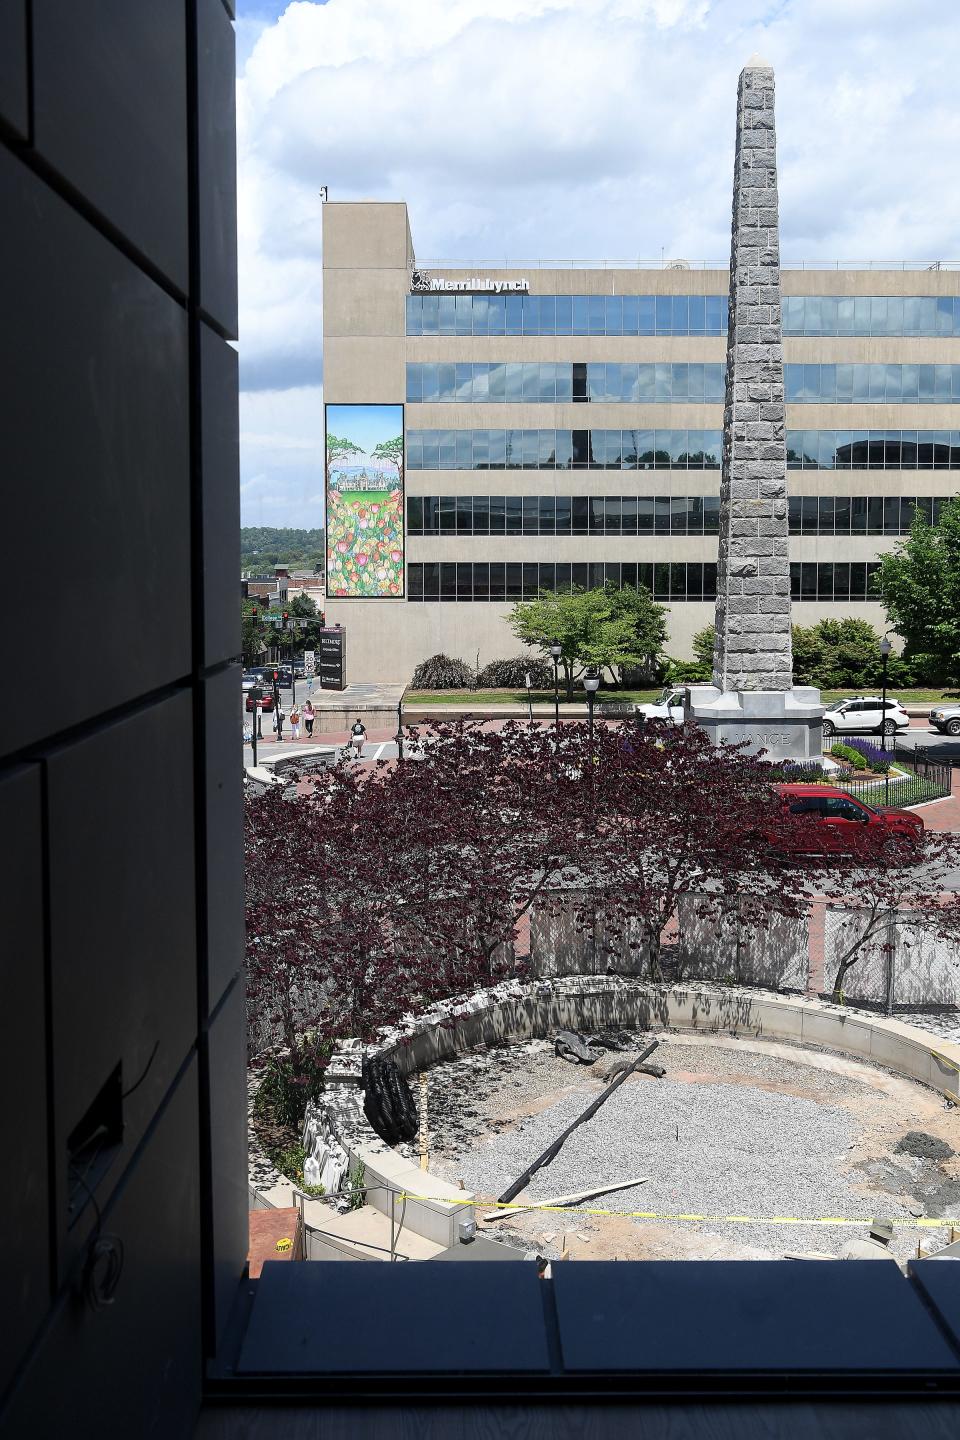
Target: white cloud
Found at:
581, 129
281, 457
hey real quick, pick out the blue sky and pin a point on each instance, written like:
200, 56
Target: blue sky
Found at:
365, 425
563, 129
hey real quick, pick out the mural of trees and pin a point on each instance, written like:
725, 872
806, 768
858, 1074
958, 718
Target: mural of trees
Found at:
365, 506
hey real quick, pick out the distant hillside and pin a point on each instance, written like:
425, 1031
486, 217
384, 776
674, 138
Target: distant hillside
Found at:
262, 547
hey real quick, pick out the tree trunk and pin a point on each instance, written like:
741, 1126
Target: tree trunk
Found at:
844, 966
653, 940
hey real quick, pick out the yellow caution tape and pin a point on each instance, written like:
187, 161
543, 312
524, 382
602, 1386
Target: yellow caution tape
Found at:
910, 1224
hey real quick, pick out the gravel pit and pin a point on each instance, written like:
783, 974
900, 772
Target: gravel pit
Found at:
747, 1128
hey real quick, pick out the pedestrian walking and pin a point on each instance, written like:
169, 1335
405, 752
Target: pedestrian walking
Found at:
358, 735
295, 723
278, 718
310, 684
309, 715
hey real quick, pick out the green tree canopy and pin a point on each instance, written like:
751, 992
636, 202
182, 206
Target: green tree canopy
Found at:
392, 452
833, 655
301, 607
920, 587
617, 630
703, 643
262, 547
339, 449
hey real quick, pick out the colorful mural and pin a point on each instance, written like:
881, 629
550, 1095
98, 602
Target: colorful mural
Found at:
365, 501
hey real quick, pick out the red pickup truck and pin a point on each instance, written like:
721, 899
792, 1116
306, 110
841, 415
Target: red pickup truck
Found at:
836, 821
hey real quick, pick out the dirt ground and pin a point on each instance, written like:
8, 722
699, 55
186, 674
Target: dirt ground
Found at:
479, 1105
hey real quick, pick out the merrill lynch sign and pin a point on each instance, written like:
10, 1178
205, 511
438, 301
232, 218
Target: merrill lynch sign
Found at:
421, 283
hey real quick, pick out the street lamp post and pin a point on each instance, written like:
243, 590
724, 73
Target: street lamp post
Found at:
885, 648
591, 683
556, 651
255, 694
528, 683
400, 732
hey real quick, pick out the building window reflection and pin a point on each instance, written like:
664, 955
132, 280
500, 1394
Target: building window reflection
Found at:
564, 514
873, 449
566, 314
564, 449
505, 581
531, 381
871, 384
808, 315
895, 315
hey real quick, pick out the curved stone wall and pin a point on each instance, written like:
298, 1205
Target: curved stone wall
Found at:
588, 1003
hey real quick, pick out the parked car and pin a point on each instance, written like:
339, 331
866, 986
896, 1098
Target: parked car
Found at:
264, 703
839, 820
248, 681
863, 714
946, 719
667, 706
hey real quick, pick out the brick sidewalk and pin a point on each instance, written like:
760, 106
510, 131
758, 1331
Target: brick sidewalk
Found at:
943, 814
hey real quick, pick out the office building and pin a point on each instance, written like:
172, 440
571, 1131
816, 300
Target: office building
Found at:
562, 426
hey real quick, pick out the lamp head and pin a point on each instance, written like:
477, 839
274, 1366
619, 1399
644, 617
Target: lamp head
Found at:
556, 650
591, 682
885, 646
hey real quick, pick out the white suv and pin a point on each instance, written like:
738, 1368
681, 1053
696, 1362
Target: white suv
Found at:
946, 719
863, 714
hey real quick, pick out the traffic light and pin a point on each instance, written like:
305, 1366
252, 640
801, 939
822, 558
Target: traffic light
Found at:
276, 677
254, 612
286, 617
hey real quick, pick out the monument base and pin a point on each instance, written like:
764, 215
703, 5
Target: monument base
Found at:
784, 723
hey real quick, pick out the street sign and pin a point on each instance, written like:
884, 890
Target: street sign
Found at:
248, 737
309, 662
333, 658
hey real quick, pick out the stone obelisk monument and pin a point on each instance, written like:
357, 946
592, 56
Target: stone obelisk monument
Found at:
752, 696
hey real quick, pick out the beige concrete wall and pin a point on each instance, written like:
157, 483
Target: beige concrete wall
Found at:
654, 281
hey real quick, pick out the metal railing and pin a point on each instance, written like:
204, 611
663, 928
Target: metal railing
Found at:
352, 1193
667, 263
914, 779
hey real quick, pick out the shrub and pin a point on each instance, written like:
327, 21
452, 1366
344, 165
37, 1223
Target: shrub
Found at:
688, 672
798, 772
872, 754
847, 753
511, 674
287, 1093
441, 672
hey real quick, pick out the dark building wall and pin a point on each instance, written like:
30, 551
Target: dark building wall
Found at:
120, 803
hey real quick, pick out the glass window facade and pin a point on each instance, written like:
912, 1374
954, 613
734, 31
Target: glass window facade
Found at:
893, 315
871, 315
564, 449
566, 314
873, 449
563, 515
818, 581
523, 381
505, 581
860, 514
872, 384
515, 580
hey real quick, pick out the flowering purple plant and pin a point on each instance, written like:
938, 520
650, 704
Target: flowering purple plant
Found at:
876, 758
